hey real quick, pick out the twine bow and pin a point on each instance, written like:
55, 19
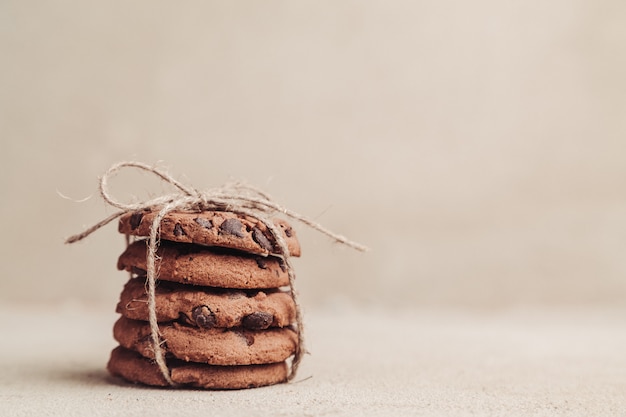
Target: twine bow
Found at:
237, 198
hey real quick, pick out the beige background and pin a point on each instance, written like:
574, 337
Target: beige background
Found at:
477, 147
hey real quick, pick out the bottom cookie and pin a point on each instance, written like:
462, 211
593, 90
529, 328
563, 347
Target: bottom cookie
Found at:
135, 368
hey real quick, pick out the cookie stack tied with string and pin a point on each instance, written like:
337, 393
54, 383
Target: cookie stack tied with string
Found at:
211, 300
224, 317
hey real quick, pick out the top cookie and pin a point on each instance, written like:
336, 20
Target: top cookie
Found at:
212, 228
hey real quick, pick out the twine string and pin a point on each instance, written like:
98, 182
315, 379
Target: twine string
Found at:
237, 198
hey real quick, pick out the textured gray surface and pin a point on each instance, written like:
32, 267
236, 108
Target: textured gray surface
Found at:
362, 363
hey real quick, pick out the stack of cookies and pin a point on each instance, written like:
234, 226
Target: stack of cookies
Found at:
224, 317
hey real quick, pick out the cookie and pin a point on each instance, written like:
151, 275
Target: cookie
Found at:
135, 368
212, 228
207, 307
200, 265
213, 346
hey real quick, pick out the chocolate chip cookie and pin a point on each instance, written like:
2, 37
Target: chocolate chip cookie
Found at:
201, 265
209, 307
212, 228
135, 368
214, 346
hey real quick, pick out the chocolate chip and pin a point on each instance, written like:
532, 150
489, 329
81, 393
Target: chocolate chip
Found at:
207, 224
135, 219
259, 320
232, 227
261, 263
178, 230
288, 232
204, 317
261, 239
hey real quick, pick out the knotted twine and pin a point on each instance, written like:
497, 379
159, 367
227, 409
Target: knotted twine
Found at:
237, 198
